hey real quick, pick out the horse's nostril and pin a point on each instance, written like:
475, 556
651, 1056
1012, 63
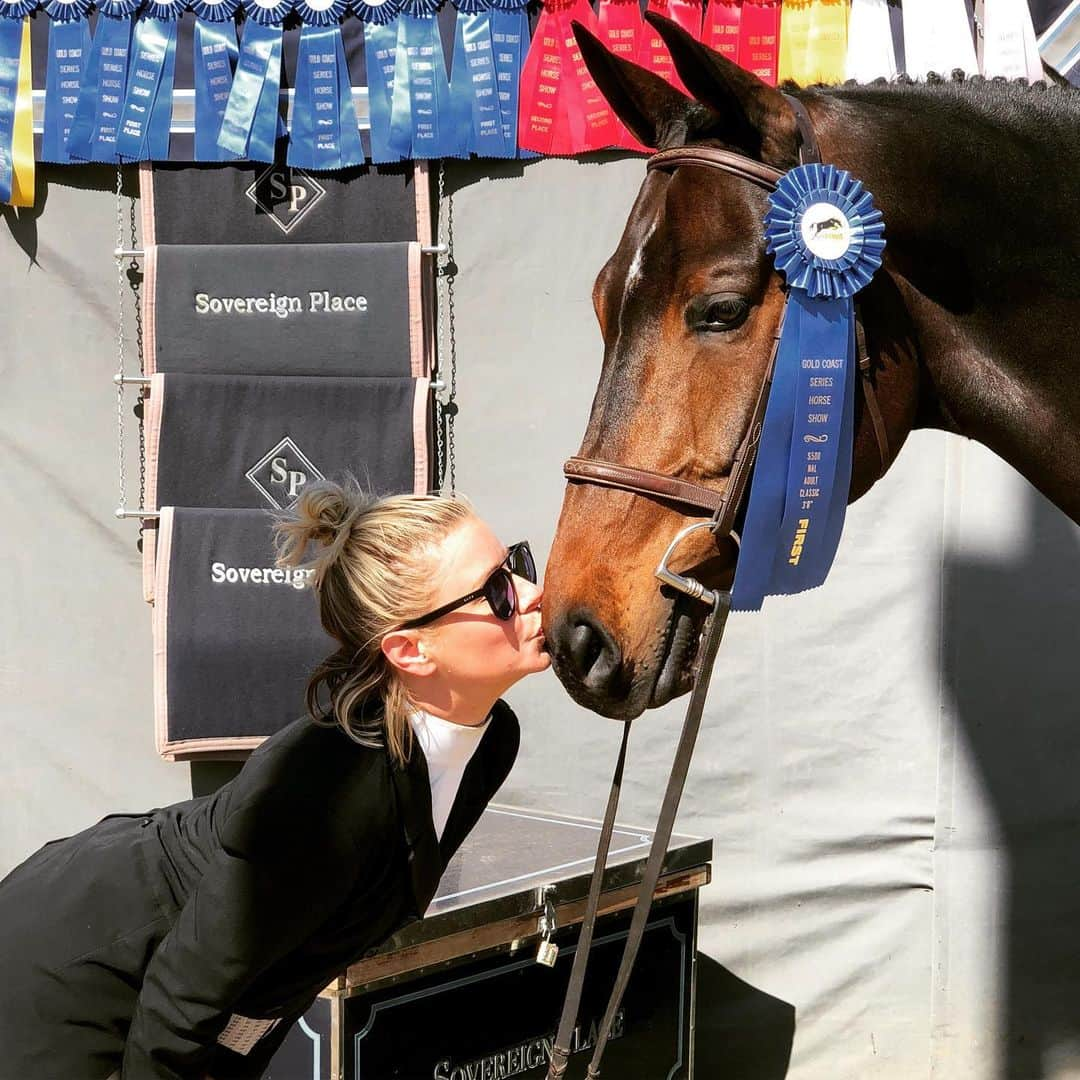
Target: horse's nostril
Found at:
593, 653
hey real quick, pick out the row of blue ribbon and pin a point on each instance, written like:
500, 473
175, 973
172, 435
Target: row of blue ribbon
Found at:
109, 98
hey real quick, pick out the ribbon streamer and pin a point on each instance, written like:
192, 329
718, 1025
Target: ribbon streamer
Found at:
510, 44
813, 41
827, 240
380, 53
421, 119
870, 43
474, 83
68, 51
215, 57
621, 30
252, 121
325, 134
937, 37
1007, 45
147, 114
653, 53
562, 112
16, 107
720, 30
96, 124
759, 39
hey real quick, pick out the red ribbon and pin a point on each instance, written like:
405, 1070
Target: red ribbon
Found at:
621, 30
653, 52
562, 112
759, 38
721, 30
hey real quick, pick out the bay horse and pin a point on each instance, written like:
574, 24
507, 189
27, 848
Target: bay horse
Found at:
970, 322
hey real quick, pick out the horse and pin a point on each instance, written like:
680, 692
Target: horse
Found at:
969, 324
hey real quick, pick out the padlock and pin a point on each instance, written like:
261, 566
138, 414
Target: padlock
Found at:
547, 952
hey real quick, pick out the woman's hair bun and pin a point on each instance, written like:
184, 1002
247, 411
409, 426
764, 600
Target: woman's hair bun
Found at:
324, 514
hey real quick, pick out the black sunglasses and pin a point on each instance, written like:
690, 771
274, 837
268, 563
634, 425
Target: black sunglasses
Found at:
498, 590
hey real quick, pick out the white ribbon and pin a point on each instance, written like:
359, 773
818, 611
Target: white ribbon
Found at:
937, 37
870, 45
1007, 44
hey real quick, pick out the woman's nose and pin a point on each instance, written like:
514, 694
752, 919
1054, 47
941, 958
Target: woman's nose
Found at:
530, 593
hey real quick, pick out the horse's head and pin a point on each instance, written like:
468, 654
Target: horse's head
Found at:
688, 306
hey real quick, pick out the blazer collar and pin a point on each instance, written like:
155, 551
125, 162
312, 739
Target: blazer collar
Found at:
412, 789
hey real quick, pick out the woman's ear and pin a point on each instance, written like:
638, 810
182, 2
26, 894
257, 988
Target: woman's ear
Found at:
406, 653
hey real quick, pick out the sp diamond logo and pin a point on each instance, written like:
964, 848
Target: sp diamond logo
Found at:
285, 195
282, 474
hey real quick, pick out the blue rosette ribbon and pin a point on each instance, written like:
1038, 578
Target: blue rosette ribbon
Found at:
510, 45
146, 118
12, 16
214, 57
325, 133
96, 123
67, 53
423, 123
474, 84
252, 124
827, 239
380, 56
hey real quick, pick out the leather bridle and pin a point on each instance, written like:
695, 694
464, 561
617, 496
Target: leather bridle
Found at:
722, 509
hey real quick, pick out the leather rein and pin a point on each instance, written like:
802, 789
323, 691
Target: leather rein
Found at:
722, 509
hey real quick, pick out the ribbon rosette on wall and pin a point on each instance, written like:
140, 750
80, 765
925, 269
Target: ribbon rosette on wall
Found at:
422, 123
937, 37
1007, 44
653, 53
827, 240
16, 105
214, 60
96, 124
622, 30
147, 113
510, 42
325, 134
562, 112
252, 121
746, 32
380, 54
68, 53
813, 41
474, 87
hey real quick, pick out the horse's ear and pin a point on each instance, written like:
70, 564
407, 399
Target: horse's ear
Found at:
655, 113
752, 115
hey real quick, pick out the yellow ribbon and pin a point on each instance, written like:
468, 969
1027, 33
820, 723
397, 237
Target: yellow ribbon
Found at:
813, 41
22, 143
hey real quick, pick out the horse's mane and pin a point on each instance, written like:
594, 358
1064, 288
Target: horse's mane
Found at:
1050, 110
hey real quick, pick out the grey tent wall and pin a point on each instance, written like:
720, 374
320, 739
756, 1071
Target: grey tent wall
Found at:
893, 802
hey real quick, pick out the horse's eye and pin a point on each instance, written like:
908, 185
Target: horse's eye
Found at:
717, 313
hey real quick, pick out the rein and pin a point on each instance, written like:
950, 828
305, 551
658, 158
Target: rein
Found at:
722, 509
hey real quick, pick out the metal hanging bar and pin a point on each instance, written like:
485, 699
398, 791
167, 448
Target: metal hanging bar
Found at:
139, 253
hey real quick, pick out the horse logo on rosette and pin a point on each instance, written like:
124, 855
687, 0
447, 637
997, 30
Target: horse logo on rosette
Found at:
826, 231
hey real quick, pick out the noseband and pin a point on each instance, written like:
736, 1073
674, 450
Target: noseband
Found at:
722, 509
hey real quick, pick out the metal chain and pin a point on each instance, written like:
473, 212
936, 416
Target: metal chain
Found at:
447, 332
120, 344
440, 335
135, 280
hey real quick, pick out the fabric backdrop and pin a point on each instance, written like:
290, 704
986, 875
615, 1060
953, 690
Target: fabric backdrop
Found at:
895, 812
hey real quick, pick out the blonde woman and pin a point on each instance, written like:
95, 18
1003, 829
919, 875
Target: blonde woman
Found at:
162, 944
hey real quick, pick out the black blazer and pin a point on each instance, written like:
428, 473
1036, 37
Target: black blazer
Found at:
314, 854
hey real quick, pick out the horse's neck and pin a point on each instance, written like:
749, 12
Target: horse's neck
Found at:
979, 189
